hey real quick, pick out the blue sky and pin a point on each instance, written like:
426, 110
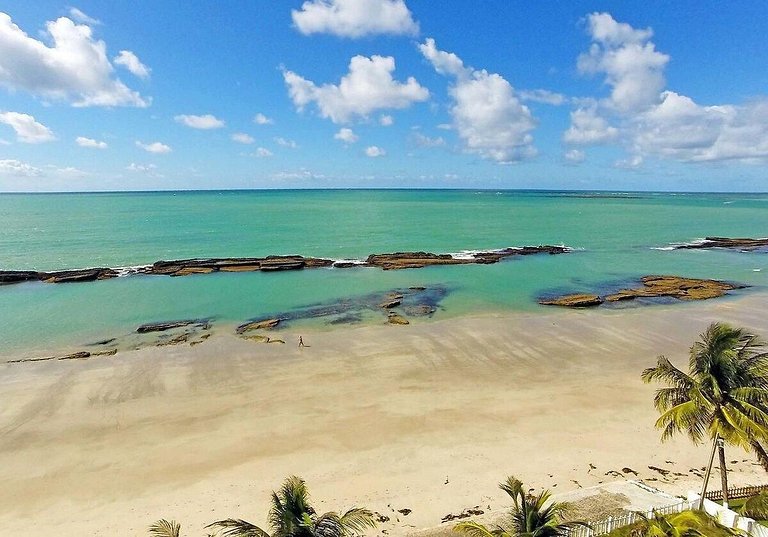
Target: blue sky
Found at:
383, 93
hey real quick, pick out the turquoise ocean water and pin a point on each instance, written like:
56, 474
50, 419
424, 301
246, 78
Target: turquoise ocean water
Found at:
618, 237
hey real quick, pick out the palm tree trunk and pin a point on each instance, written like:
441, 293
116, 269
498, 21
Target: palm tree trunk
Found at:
723, 471
709, 471
762, 456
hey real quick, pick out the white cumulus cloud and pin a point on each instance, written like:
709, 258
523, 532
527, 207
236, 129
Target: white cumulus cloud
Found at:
82, 141
487, 114
285, 142
543, 96
27, 129
651, 121
632, 66
386, 120
346, 135
243, 138
79, 16
422, 140
367, 87
75, 69
204, 122
374, 151
574, 156
263, 152
588, 127
261, 119
354, 18
130, 61
18, 168
154, 147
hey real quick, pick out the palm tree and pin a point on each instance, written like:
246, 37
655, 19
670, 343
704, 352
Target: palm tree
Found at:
291, 515
164, 528
685, 524
531, 516
724, 396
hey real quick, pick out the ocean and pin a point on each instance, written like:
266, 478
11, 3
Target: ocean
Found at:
616, 237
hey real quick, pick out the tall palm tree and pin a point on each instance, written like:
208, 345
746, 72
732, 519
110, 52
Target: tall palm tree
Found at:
531, 516
723, 397
291, 515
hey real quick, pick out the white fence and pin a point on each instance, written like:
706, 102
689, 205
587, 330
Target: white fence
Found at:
606, 526
723, 515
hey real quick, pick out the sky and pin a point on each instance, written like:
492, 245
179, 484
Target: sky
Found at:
497, 94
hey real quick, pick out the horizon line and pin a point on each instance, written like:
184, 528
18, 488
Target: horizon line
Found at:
391, 189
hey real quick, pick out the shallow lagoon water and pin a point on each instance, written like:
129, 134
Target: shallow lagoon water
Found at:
617, 237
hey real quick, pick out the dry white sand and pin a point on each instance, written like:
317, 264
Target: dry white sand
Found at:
428, 417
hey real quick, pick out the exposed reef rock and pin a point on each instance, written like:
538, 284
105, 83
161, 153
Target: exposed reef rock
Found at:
80, 275
184, 267
394, 318
652, 287
257, 325
404, 260
17, 276
725, 242
59, 276
676, 287
168, 325
273, 263
76, 356
573, 301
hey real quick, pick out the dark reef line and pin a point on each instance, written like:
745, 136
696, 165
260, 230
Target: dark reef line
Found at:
726, 242
274, 263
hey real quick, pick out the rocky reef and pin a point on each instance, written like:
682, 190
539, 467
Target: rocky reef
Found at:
61, 276
726, 242
274, 263
406, 260
652, 287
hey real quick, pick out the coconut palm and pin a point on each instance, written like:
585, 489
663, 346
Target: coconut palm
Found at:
661, 526
685, 524
291, 515
723, 397
530, 516
165, 528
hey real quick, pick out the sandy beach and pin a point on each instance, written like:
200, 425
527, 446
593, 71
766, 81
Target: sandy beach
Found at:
427, 417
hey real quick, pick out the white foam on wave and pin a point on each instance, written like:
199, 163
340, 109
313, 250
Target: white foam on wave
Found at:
131, 270
351, 261
676, 245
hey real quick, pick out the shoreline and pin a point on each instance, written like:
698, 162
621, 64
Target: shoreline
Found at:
377, 416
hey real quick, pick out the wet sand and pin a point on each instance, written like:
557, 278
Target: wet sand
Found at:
427, 417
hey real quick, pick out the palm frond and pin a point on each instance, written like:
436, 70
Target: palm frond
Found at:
475, 529
165, 528
357, 520
666, 372
513, 487
235, 527
688, 417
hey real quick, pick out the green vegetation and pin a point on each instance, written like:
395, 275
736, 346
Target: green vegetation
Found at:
724, 395
164, 528
685, 524
530, 516
755, 507
291, 515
